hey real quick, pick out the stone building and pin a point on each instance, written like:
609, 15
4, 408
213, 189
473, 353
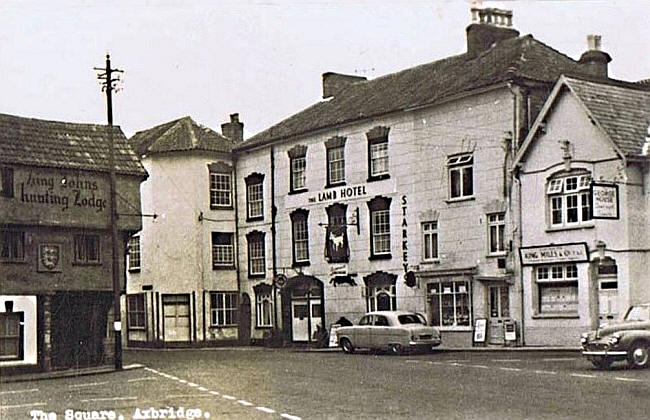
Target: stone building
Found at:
56, 281
583, 175
394, 193
183, 288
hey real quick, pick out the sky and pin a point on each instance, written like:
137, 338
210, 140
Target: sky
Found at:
262, 59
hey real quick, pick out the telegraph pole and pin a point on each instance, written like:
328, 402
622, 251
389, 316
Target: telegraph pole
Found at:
108, 85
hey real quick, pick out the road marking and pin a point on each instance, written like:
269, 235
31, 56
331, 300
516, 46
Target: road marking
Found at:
479, 366
290, 417
151, 370
412, 361
21, 405
510, 369
619, 378
90, 384
192, 384
202, 388
110, 399
183, 381
266, 410
560, 359
173, 377
214, 393
229, 397
19, 391
188, 396
582, 375
149, 378
545, 372
506, 360
245, 403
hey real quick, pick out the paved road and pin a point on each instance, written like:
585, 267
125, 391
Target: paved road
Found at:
277, 383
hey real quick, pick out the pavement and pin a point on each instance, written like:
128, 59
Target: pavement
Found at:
108, 369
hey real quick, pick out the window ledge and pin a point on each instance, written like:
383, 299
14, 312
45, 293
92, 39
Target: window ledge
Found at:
380, 257
134, 270
223, 267
340, 261
373, 178
556, 316
300, 264
497, 255
299, 191
256, 276
213, 207
460, 199
335, 184
254, 219
265, 327
434, 261
576, 227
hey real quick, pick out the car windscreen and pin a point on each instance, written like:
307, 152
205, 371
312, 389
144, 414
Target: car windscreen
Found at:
638, 313
409, 319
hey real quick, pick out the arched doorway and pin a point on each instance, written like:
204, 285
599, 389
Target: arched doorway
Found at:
302, 308
380, 291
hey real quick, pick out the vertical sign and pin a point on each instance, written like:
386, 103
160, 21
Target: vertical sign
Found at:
604, 201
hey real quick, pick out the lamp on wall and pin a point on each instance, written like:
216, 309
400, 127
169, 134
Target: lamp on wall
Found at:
566, 154
600, 248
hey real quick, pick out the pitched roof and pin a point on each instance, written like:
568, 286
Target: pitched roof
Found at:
521, 57
622, 111
31, 141
179, 135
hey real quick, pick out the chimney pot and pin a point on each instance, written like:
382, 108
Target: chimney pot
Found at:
488, 26
594, 61
333, 83
593, 42
234, 129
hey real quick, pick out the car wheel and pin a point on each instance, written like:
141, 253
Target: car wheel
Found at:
347, 346
639, 356
395, 349
603, 363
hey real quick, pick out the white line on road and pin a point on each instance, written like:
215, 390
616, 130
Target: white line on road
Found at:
19, 391
545, 372
510, 369
266, 410
192, 384
188, 396
229, 397
21, 405
90, 384
214, 393
201, 388
290, 417
244, 402
619, 378
479, 366
582, 375
149, 378
110, 399
183, 381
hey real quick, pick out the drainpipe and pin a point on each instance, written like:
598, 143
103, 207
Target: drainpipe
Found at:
234, 202
274, 212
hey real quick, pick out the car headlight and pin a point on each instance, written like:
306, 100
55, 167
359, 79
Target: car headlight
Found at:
615, 338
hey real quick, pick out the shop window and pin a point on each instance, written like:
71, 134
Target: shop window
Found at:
557, 289
379, 227
134, 253
263, 306
223, 254
569, 200
378, 153
223, 309
6, 182
11, 335
13, 245
430, 241
449, 303
86, 249
461, 176
300, 237
379, 291
256, 254
254, 196
335, 149
337, 249
298, 168
220, 185
496, 233
136, 313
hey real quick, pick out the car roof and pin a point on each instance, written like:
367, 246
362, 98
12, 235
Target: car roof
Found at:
391, 313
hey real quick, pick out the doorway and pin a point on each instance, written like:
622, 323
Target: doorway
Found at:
176, 317
499, 311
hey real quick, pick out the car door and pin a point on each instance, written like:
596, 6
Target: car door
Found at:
380, 332
362, 332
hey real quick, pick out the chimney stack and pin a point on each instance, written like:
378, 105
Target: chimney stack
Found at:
488, 26
595, 61
234, 129
333, 83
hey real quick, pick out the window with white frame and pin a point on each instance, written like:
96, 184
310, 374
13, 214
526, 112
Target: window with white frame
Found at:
378, 153
297, 168
223, 309
134, 253
380, 292
256, 254
220, 190
263, 306
379, 227
557, 288
449, 303
223, 253
569, 200
300, 235
335, 150
496, 233
430, 241
11, 335
86, 249
254, 196
136, 314
461, 175
13, 245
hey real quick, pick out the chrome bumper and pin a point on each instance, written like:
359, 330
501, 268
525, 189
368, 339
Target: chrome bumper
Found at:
603, 353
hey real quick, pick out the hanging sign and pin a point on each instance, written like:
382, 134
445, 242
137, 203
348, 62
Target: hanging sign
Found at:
604, 201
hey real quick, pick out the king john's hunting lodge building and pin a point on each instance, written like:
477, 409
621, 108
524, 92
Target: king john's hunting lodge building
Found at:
409, 191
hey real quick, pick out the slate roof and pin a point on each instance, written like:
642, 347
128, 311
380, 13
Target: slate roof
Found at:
179, 135
57, 144
622, 112
521, 57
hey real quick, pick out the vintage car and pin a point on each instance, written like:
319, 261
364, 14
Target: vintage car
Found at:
626, 340
394, 331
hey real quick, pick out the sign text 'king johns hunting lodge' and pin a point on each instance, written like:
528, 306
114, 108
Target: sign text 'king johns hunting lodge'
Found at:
62, 191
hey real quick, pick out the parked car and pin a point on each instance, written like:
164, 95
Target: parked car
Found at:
626, 340
395, 331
